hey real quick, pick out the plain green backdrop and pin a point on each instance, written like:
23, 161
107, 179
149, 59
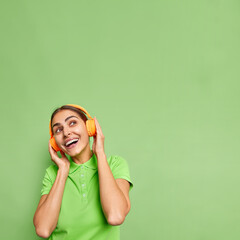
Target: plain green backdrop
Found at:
162, 78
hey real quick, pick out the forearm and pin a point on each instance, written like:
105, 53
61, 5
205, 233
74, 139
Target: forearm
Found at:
46, 217
113, 201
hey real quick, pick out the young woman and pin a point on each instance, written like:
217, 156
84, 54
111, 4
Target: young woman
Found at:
85, 196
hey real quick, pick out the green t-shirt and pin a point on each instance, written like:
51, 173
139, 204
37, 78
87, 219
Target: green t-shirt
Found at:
81, 216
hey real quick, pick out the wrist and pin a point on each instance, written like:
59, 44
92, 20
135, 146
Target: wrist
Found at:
63, 172
100, 155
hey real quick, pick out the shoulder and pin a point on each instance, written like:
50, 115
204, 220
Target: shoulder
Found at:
51, 171
52, 168
120, 169
115, 160
117, 163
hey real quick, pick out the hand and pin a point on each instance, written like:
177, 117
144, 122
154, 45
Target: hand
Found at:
63, 162
98, 143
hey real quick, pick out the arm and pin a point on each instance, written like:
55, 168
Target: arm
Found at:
46, 216
113, 193
47, 213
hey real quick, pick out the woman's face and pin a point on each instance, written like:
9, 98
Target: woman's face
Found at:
70, 132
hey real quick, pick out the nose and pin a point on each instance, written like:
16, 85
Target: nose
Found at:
66, 131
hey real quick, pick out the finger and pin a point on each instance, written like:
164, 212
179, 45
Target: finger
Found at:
51, 150
96, 121
49, 147
98, 127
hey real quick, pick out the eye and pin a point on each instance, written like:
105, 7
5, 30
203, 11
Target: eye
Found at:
72, 123
58, 130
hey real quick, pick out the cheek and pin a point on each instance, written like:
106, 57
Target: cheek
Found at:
84, 136
81, 132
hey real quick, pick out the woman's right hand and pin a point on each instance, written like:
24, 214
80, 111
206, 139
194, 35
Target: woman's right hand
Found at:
62, 163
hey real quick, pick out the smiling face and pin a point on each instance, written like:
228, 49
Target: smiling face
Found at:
70, 132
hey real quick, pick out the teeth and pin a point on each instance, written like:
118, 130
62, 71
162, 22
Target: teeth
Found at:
71, 141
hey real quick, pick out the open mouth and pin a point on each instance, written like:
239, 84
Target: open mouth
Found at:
72, 143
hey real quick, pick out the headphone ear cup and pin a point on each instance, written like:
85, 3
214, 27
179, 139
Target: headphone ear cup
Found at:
91, 127
54, 144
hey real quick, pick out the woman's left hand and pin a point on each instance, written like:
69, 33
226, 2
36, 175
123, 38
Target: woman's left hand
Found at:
98, 143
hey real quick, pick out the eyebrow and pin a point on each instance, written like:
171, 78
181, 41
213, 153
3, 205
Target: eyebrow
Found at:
57, 124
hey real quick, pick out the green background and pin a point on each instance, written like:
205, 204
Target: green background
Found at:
162, 78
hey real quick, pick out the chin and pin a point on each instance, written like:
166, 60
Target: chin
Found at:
74, 154
76, 151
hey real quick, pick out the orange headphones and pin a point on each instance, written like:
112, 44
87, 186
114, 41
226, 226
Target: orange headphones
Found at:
90, 124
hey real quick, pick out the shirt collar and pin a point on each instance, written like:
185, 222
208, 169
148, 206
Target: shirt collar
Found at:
91, 163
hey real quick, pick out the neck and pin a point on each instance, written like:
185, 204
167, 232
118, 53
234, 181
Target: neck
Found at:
83, 156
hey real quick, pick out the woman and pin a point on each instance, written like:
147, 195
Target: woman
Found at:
86, 196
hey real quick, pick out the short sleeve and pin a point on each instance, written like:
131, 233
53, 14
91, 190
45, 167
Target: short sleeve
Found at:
46, 183
120, 169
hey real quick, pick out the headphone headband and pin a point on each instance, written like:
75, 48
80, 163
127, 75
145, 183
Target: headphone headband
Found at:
81, 108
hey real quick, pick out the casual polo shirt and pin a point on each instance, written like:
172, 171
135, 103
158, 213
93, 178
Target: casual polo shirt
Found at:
81, 216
